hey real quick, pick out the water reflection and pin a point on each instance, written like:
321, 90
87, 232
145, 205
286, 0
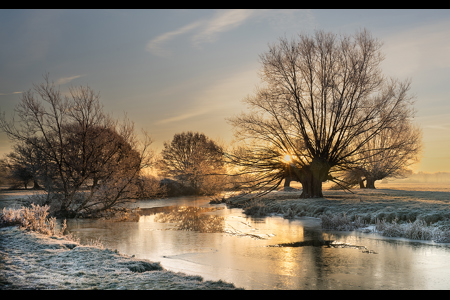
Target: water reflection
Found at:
192, 219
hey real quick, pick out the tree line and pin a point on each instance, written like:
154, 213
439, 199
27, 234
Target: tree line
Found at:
323, 112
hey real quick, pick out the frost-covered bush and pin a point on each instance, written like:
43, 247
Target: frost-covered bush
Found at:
256, 208
390, 229
35, 218
417, 230
441, 236
340, 222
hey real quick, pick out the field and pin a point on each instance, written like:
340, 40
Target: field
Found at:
29, 260
400, 204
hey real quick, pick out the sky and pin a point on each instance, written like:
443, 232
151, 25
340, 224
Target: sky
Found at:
188, 70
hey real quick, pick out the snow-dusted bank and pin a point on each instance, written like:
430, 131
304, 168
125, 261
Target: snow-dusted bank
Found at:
30, 260
404, 210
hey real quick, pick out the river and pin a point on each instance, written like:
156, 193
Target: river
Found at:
187, 234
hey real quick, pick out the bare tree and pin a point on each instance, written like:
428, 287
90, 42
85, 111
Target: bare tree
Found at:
87, 161
23, 163
194, 160
390, 153
320, 94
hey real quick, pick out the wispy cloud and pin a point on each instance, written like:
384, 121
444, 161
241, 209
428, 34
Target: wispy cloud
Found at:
183, 116
219, 97
221, 22
438, 126
155, 45
4, 94
64, 80
208, 29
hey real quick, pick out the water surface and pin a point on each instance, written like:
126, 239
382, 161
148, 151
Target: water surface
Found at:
189, 235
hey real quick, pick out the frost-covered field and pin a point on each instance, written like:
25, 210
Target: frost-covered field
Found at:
401, 203
30, 260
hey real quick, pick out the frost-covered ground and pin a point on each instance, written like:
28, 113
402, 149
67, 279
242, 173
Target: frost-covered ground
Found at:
398, 202
30, 260
15, 198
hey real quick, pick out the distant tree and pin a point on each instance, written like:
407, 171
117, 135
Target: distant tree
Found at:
85, 160
13, 174
4, 172
20, 173
24, 163
324, 98
194, 160
400, 148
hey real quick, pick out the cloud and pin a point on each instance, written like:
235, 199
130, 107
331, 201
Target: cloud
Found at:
221, 22
64, 80
207, 30
219, 97
4, 94
183, 116
155, 45
438, 126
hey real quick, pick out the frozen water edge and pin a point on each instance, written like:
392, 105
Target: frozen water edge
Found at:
30, 260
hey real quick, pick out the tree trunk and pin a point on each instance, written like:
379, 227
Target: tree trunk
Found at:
287, 182
370, 183
36, 185
361, 183
311, 178
312, 187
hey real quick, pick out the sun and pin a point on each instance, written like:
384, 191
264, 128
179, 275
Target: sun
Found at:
287, 158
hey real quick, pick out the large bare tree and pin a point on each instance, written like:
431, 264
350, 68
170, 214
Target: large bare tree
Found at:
320, 94
85, 160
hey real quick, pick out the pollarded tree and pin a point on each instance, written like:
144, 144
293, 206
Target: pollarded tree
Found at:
400, 145
85, 160
194, 160
326, 91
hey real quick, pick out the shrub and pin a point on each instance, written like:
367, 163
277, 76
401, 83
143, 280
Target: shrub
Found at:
340, 222
256, 208
35, 218
441, 236
389, 229
417, 230
432, 217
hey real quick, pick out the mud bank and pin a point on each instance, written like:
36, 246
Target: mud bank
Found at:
30, 260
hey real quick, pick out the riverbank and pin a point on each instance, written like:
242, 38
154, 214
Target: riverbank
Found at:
395, 204
33, 261
29, 260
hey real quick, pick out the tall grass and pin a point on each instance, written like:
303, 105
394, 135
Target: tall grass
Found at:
34, 218
417, 230
341, 222
256, 208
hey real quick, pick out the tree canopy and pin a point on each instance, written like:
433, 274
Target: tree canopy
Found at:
84, 159
323, 98
194, 160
